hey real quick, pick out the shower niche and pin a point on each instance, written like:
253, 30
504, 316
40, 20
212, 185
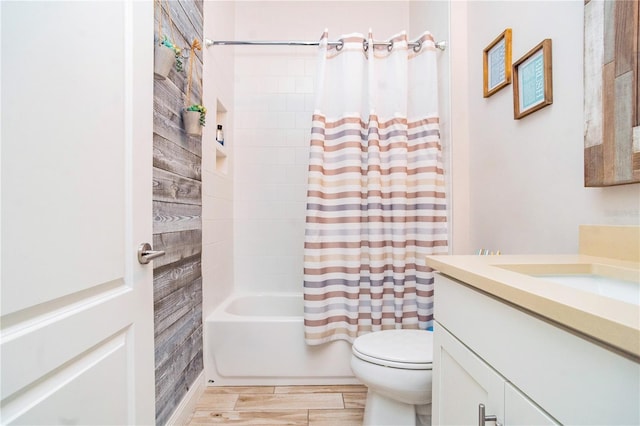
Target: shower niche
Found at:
222, 149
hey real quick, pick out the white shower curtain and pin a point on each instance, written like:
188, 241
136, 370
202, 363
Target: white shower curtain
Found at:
376, 199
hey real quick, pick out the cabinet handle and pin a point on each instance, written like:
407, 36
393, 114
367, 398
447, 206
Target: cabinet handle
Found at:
482, 418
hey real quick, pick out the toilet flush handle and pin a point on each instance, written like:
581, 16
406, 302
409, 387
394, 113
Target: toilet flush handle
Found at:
482, 418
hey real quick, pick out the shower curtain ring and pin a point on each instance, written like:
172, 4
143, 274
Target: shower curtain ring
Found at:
340, 46
417, 46
390, 46
365, 45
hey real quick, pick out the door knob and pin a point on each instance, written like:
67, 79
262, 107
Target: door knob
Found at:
146, 254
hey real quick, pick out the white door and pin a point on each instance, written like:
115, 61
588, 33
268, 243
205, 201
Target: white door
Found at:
77, 308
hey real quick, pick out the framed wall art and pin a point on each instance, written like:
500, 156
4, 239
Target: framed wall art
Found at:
496, 64
533, 80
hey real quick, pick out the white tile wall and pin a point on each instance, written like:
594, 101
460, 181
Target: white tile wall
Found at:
217, 188
274, 101
273, 120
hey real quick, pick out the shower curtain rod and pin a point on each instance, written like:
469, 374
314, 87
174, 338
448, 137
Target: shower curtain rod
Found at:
442, 45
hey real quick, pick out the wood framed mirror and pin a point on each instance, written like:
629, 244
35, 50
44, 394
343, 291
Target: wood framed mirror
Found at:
611, 92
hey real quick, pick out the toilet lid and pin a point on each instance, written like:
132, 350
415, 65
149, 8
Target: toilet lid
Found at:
409, 349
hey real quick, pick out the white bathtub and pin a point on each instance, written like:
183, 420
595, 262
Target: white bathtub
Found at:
258, 339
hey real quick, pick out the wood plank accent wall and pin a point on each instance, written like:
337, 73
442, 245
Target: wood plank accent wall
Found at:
612, 92
177, 223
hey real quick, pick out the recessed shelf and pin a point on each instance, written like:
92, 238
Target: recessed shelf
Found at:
222, 160
220, 150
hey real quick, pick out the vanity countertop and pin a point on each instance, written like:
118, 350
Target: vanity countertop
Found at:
519, 280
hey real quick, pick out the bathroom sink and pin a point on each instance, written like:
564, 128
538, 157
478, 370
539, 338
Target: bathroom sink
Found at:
614, 288
604, 280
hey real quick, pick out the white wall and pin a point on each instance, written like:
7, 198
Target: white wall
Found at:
515, 185
217, 188
274, 103
447, 20
526, 176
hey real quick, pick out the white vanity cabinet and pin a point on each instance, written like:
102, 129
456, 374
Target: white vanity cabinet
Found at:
525, 371
521, 411
463, 381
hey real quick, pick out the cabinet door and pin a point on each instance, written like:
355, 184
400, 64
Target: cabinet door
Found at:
462, 381
521, 411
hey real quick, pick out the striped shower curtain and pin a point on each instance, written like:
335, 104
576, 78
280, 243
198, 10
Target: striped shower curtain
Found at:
376, 199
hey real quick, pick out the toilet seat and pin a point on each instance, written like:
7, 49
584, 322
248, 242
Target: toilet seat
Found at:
406, 349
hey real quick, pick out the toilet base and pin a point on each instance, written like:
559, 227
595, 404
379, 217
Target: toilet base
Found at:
380, 410
423, 415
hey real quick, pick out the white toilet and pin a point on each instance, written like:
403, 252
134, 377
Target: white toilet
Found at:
395, 365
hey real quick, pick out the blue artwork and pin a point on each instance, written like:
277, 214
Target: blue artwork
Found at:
496, 64
532, 81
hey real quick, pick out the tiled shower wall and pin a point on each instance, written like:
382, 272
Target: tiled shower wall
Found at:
217, 181
274, 101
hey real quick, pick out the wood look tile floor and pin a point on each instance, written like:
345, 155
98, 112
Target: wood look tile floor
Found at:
281, 405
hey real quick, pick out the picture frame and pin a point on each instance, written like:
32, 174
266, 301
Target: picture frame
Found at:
496, 64
533, 80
